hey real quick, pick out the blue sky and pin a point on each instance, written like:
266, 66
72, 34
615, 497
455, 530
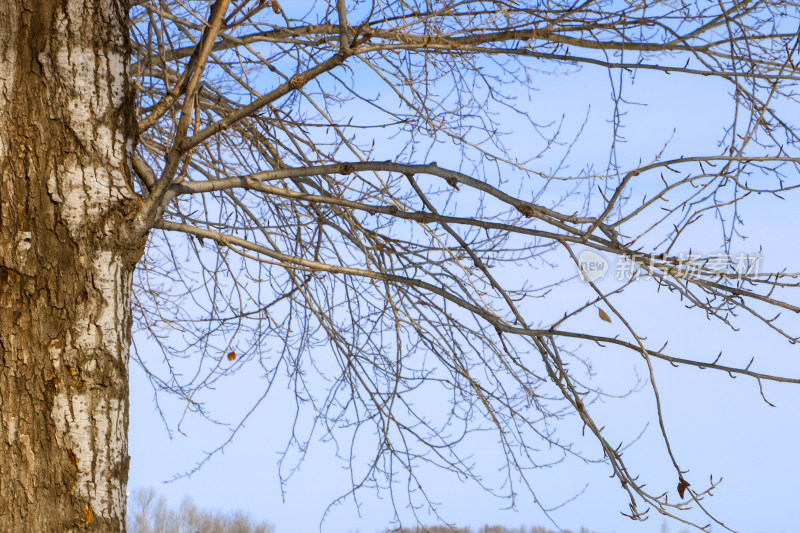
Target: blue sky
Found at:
719, 426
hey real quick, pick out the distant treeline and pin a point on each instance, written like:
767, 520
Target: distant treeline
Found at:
484, 529
149, 513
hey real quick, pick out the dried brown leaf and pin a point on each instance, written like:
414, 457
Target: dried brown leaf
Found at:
682, 486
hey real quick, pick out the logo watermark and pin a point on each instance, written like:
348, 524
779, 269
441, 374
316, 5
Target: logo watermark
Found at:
593, 266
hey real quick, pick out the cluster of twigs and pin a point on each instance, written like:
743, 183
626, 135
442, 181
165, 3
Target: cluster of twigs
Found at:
353, 208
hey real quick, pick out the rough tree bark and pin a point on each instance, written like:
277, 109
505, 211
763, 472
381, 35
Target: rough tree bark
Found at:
66, 259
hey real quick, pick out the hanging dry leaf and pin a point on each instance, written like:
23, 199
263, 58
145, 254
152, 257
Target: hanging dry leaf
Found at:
231, 356
88, 514
604, 316
682, 486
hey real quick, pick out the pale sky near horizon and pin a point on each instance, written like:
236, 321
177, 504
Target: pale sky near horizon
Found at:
719, 426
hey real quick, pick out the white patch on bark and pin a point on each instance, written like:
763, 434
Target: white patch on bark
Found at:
95, 434
87, 193
93, 427
52, 189
117, 76
106, 330
24, 242
103, 327
98, 83
113, 144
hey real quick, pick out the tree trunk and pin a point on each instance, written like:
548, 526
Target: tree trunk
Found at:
67, 129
